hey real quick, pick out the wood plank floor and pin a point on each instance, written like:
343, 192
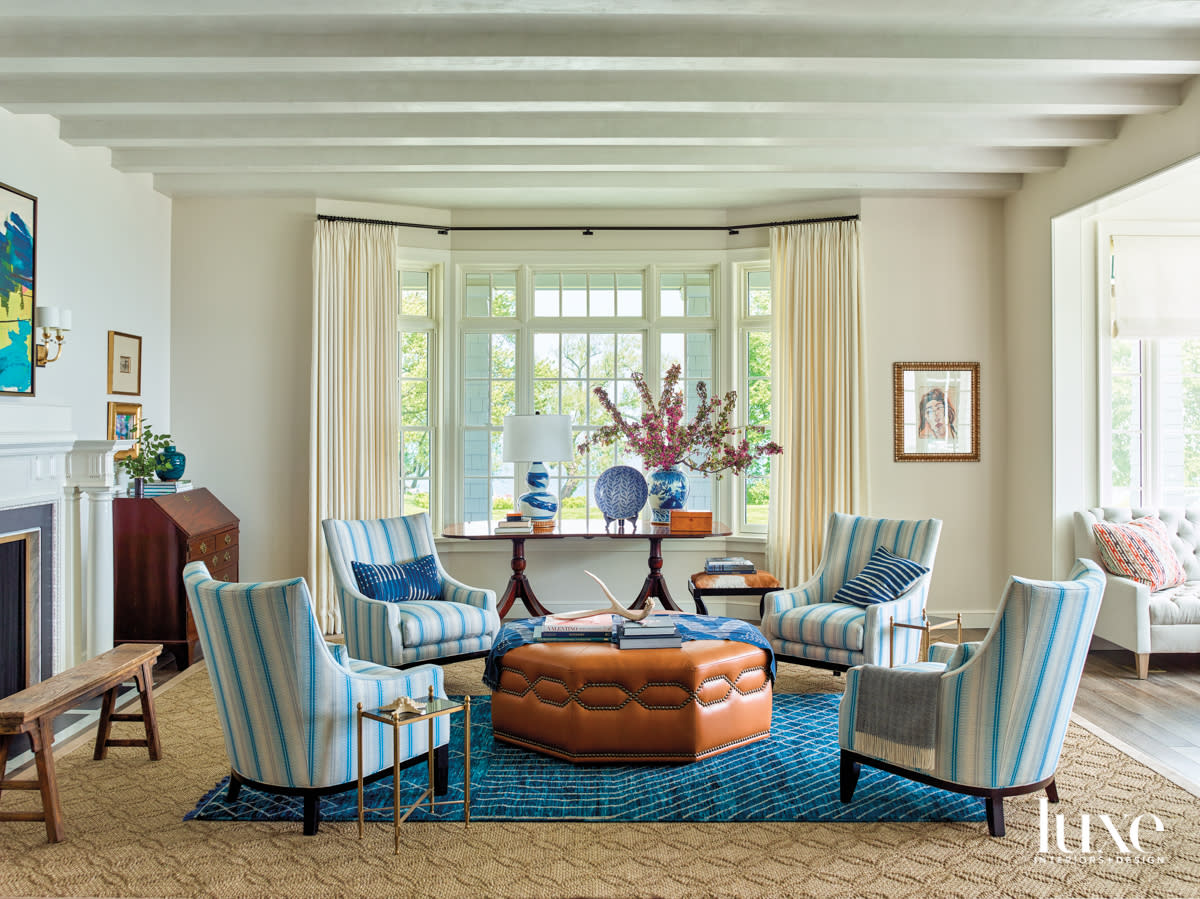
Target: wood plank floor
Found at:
1159, 716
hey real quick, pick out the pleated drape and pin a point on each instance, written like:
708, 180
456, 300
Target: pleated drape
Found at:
818, 390
354, 464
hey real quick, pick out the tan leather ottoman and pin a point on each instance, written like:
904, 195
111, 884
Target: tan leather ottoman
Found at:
593, 702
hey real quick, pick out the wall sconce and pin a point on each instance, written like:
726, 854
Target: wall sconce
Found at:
51, 318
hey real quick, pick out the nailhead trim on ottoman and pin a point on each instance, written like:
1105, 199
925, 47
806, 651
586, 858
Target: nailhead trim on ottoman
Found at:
594, 702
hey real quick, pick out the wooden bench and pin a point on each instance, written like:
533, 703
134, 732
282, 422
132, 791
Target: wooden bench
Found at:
32, 712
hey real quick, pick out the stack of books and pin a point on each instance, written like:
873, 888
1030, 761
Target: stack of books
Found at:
161, 488
728, 565
649, 633
514, 524
593, 629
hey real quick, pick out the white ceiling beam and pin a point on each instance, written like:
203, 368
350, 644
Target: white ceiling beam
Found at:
66, 95
566, 181
731, 129
784, 49
588, 159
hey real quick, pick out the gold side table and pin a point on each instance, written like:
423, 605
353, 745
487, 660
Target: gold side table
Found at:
434, 708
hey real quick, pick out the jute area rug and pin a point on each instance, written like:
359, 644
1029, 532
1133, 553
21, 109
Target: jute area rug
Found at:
126, 837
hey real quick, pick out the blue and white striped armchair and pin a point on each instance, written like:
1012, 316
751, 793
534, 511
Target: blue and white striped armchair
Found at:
805, 625
1001, 704
461, 624
287, 700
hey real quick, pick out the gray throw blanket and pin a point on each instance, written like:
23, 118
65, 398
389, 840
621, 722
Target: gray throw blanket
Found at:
895, 716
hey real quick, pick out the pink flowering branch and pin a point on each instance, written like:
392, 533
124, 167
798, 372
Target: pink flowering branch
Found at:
709, 443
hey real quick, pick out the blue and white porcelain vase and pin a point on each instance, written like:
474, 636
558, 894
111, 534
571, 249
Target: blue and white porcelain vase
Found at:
668, 490
539, 504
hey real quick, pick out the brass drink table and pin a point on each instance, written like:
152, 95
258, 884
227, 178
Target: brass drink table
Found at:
434, 708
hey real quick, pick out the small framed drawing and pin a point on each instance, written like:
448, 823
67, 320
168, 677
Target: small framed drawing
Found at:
18, 288
124, 422
124, 363
935, 411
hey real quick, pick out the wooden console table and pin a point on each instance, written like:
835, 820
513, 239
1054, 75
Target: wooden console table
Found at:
518, 584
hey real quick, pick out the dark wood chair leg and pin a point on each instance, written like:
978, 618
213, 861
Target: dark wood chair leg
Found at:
145, 685
1052, 791
105, 728
312, 814
849, 777
235, 787
995, 815
42, 739
441, 770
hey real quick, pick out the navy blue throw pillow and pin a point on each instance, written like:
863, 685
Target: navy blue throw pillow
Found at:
885, 577
399, 581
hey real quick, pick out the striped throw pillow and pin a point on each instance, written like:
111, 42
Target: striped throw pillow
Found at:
400, 581
1141, 551
885, 577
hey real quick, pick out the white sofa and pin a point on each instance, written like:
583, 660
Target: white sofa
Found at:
1130, 615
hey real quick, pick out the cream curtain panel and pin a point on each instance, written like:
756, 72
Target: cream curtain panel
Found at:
354, 466
818, 390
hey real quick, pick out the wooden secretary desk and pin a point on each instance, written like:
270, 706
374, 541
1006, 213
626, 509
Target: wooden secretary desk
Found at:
153, 539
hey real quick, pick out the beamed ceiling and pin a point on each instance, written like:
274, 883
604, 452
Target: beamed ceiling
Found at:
648, 103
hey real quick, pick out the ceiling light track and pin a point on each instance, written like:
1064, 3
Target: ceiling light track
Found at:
584, 230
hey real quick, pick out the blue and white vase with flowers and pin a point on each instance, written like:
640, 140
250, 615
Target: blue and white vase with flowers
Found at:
708, 443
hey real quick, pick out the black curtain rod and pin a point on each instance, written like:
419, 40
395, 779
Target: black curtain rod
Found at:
587, 232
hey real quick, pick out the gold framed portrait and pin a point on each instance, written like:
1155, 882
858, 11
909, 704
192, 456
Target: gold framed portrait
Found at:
935, 411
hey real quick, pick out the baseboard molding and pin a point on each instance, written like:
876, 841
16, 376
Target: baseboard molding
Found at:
1138, 755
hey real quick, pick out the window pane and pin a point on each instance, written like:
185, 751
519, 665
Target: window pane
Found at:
670, 295
478, 293
504, 294
574, 355
414, 354
602, 361
545, 295
574, 295
602, 295
699, 294
414, 293
504, 355
629, 295
414, 403
758, 354
758, 293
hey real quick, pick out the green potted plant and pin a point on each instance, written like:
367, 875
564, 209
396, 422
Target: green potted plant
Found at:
146, 460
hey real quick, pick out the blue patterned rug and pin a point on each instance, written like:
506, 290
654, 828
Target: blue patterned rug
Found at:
793, 776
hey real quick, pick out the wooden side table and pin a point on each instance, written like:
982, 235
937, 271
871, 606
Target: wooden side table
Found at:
434, 708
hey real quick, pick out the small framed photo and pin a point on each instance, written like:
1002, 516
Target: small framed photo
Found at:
124, 422
935, 411
124, 363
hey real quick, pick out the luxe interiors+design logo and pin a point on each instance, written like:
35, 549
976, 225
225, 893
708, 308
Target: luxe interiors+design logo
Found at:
1109, 844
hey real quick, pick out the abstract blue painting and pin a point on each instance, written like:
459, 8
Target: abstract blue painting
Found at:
17, 234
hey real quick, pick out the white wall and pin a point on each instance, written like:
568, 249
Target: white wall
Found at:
1049, 371
241, 298
933, 288
103, 251
932, 292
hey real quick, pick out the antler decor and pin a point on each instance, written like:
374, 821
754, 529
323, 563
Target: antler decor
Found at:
616, 607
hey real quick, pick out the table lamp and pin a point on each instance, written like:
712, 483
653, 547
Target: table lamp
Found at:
538, 439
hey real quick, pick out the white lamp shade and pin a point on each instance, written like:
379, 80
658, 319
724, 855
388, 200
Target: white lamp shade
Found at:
537, 438
64, 320
48, 317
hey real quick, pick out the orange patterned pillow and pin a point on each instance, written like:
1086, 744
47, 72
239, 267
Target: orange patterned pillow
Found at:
1140, 550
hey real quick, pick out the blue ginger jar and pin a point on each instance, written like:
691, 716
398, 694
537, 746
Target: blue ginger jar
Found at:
668, 490
170, 464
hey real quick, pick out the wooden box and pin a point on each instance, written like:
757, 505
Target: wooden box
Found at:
684, 522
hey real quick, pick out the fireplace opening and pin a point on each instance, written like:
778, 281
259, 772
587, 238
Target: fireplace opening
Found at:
19, 620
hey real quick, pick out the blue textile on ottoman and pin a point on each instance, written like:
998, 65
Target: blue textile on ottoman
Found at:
793, 776
690, 627
399, 581
885, 577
